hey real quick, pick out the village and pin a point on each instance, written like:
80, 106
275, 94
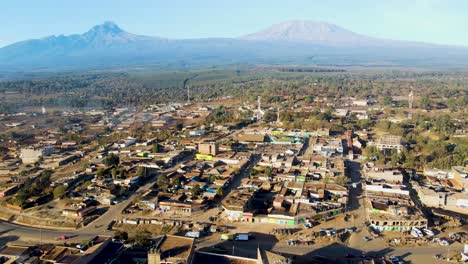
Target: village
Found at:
164, 168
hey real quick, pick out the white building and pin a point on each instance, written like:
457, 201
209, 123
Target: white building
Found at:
32, 155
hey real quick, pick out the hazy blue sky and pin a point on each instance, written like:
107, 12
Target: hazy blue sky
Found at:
438, 21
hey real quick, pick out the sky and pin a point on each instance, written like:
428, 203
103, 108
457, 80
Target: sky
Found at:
434, 21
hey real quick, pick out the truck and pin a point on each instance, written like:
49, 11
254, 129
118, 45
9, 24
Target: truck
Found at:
242, 237
193, 234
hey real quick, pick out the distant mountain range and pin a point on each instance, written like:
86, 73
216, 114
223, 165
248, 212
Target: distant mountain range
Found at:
107, 46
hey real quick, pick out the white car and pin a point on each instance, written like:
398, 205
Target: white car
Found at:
428, 232
444, 243
416, 233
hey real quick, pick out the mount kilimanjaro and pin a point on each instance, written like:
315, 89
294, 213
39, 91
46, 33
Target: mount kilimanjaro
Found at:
108, 46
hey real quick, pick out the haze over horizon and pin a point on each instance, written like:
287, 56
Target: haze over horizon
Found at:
431, 21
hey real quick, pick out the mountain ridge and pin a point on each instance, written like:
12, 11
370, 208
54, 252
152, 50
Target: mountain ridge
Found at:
307, 31
290, 42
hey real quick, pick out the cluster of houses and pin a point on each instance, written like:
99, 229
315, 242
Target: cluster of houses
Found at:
286, 187
444, 189
388, 201
99, 248
197, 182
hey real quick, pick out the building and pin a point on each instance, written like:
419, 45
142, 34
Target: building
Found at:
72, 255
460, 175
169, 249
33, 155
388, 143
381, 174
360, 102
250, 138
78, 212
15, 254
390, 208
208, 148
263, 257
327, 146
197, 133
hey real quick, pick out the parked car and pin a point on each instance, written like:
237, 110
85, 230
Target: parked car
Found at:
241, 237
428, 232
193, 234
444, 243
416, 232
64, 237
396, 260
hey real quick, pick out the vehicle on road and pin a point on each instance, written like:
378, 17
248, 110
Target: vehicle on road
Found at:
63, 237
416, 232
396, 260
227, 236
193, 234
329, 231
428, 232
444, 243
242, 237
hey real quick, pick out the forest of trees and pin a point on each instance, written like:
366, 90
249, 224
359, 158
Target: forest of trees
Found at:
122, 89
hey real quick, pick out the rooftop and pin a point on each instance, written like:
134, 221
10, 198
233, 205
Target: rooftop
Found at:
174, 246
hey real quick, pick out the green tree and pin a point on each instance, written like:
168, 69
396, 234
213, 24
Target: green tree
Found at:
163, 183
121, 235
341, 180
269, 117
371, 152
452, 104
142, 238
253, 172
179, 126
425, 103
114, 172
220, 191
213, 178
157, 148
395, 157
326, 179
196, 190
59, 191
387, 100
112, 160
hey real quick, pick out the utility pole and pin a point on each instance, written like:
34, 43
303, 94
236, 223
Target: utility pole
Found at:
188, 94
278, 116
40, 230
410, 103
